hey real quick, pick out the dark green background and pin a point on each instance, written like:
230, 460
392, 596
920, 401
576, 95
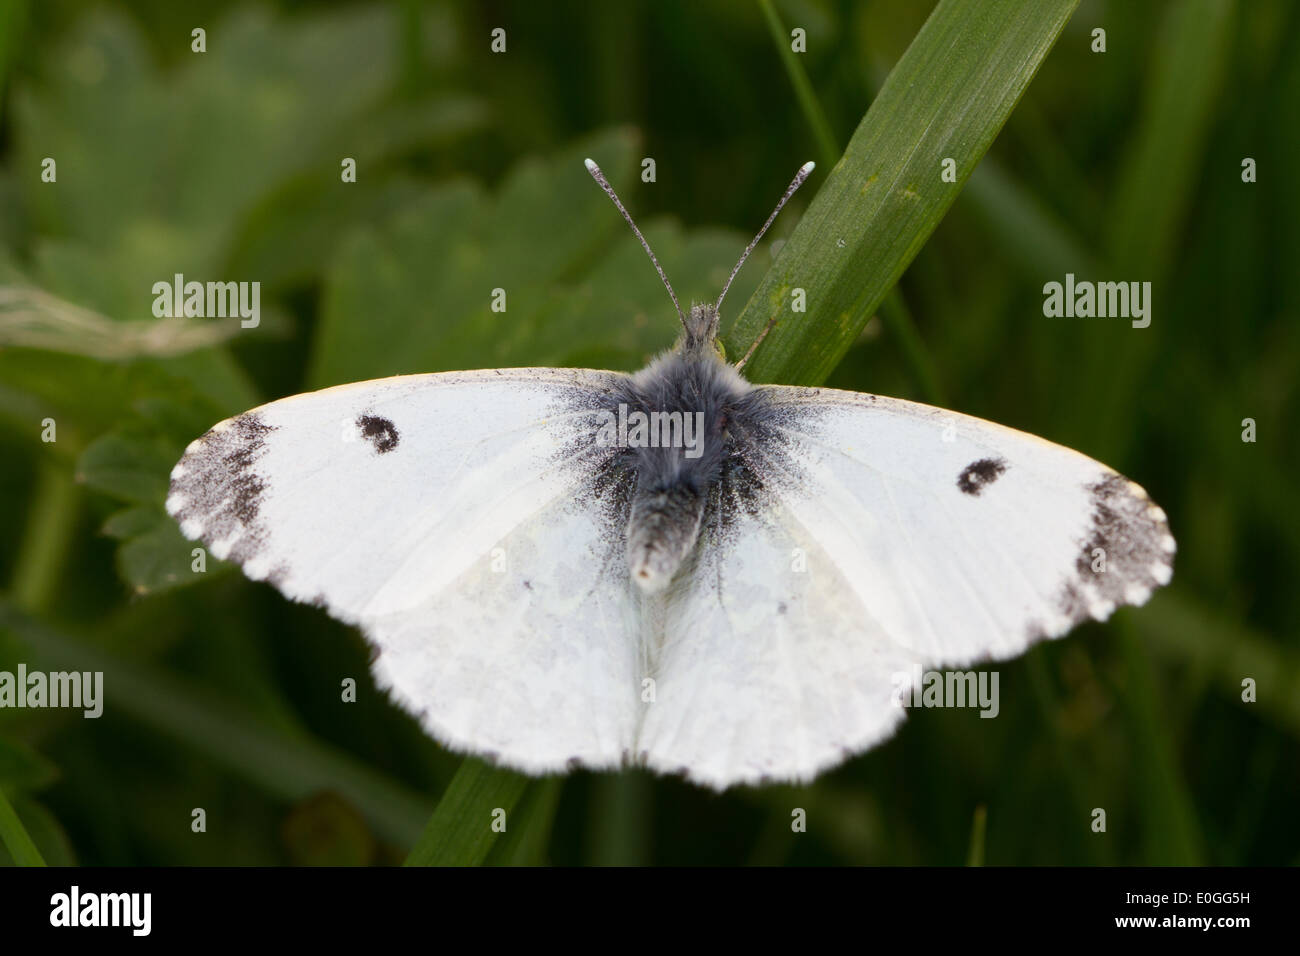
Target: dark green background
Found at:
225, 165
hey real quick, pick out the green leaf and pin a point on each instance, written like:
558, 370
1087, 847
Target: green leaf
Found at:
132, 463
415, 294
128, 466
225, 130
460, 832
293, 233
154, 556
947, 98
231, 136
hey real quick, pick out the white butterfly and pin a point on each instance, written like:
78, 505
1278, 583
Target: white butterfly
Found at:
736, 610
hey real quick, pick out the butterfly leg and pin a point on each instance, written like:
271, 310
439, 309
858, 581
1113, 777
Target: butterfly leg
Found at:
762, 335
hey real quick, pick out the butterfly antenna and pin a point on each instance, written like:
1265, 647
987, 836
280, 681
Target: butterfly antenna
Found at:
597, 175
799, 177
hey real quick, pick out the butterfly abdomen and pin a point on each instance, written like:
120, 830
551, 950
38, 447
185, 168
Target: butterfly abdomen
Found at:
662, 527
678, 413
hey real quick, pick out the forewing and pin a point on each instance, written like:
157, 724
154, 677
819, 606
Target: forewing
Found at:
454, 518
966, 539
867, 538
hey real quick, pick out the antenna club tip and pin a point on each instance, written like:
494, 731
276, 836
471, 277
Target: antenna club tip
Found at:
807, 167
591, 165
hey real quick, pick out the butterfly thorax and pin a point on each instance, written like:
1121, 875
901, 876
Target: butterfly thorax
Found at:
690, 401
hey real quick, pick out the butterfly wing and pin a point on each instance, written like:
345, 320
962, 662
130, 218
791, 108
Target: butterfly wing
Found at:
768, 667
869, 536
450, 517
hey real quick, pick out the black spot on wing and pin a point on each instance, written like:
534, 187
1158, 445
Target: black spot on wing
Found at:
978, 475
380, 432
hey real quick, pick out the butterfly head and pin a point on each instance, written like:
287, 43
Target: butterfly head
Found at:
700, 332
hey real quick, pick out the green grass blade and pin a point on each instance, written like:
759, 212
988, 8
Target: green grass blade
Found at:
827, 146
460, 832
897, 318
527, 843
1185, 630
1171, 831
1035, 240
619, 820
948, 96
15, 837
1154, 194
1153, 201
894, 310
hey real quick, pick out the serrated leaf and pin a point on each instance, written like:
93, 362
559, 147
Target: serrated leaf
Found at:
415, 294
275, 101
127, 466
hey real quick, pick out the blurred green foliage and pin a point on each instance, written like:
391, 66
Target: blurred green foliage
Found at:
226, 164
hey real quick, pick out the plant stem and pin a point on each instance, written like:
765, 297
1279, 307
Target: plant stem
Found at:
812, 111
46, 540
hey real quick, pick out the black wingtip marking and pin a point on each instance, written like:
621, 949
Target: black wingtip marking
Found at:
380, 432
1125, 555
222, 488
978, 475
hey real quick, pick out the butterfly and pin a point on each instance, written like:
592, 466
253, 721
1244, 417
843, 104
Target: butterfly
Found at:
675, 569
